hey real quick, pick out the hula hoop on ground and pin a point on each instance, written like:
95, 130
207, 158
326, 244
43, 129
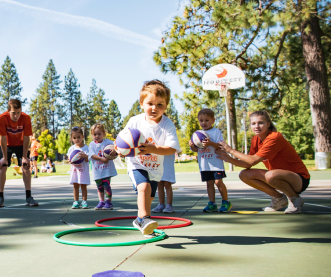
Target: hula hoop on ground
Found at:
57, 236
187, 221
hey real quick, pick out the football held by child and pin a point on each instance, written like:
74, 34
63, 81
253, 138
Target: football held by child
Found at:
79, 173
146, 169
102, 168
211, 168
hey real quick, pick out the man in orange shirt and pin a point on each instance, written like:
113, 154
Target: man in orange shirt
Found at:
15, 132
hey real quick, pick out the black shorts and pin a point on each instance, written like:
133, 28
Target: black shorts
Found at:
18, 150
212, 175
305, 183
34, 158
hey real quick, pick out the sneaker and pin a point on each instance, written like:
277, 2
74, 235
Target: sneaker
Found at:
100, 205
1, 202
294, 205
108, 205
31, 202
226, 206
150, 236
211, 207
84, 205
147, 226
159, 208
276, 204
75, 205
169, 209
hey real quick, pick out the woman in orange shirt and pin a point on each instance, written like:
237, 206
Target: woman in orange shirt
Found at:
35, 145
286, 172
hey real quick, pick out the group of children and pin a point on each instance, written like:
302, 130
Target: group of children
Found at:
159, 150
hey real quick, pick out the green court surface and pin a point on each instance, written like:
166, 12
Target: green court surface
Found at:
261, 244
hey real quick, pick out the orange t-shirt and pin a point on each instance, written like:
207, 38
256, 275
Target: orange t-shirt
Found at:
15, 130
35, 145
278, 154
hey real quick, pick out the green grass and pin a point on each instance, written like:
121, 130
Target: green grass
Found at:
183, 166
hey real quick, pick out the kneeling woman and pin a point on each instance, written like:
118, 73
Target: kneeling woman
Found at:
286, 172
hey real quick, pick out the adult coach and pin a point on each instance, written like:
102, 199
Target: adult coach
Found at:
15, 132
286, 172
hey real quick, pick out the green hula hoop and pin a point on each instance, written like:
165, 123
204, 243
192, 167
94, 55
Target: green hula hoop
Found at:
57, 236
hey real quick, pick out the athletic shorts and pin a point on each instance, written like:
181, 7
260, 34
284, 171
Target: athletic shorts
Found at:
18, 150
35, 158
139, 176
305, 183
212, 175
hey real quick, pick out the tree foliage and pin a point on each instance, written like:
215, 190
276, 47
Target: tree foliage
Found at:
10, 85
172, 113
114, 122
63, 142
48, 146
135, 110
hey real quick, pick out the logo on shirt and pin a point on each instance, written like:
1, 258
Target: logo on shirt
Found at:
14, 131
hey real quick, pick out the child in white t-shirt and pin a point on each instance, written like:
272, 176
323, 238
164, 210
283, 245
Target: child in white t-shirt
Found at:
146, 169
79, 173
211, 168
166, 182
102, 168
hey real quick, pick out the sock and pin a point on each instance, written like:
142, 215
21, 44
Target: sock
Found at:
1, 195
28, 193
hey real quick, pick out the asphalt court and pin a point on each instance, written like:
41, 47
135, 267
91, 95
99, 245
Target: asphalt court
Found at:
234, 244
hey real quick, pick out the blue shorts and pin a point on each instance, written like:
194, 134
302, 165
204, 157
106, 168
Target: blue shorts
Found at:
212, 175
139, 176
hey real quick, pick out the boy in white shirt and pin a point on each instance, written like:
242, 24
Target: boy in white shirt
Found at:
211, 168
146, 169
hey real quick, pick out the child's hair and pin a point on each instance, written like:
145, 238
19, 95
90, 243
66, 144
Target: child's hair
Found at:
208, 112
266, 115
98, 125
156, 87
15, 104
76, 129
50, 160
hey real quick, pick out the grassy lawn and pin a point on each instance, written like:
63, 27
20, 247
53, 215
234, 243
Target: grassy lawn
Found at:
183, 166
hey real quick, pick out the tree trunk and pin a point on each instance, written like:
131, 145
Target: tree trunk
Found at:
318, 83
233, 119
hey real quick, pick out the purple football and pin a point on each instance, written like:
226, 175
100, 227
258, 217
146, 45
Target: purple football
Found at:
198, 137
74, 157
128, 141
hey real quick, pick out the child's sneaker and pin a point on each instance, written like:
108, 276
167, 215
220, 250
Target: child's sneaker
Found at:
276, 204
31, 202
146, 226
75, 205
294, 205
159, 208
84, 205
100, 205
211, 207
169, 209
226, 206
108, 205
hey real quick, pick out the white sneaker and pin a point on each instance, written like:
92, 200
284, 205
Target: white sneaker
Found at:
276, 204
159, 208
168, 209
294, 205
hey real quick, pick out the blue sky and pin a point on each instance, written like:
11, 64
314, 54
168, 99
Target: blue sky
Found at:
110, 41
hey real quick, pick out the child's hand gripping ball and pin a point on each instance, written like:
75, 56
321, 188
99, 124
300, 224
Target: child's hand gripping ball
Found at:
107, 152
75, 157
128, 141
198, 137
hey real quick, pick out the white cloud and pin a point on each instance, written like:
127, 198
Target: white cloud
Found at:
88, 23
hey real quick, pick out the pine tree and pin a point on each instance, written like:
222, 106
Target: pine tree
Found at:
172, 113
114, 122
63, 142
46, 110
10, 86
135, 110
255, 36
48, 145
72, 98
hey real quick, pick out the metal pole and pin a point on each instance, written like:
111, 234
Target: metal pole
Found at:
228, 127
244, 114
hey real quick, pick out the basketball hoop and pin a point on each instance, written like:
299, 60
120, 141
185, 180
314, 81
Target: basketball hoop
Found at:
223, 89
